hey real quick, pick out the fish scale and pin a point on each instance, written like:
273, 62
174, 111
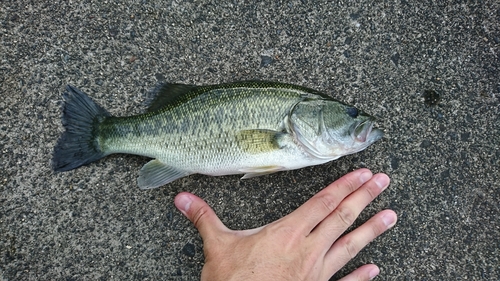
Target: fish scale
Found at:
252, 127
197, 122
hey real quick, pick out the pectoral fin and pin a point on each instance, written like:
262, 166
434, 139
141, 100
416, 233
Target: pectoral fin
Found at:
260, 171
258, 141
155, 174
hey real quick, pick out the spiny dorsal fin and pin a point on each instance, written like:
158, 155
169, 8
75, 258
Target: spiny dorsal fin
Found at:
167, 94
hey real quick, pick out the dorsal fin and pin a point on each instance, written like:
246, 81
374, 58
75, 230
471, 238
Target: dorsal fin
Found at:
168, 94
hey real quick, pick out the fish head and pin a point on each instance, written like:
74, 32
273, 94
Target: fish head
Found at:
329, 129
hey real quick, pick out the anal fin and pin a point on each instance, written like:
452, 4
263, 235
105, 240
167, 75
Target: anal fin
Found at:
156, 173
260, 171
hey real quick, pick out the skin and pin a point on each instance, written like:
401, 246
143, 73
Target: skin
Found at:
304, 245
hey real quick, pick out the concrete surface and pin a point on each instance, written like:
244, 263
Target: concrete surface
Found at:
392, 59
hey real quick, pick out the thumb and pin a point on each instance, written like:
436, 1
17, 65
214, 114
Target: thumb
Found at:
200, 214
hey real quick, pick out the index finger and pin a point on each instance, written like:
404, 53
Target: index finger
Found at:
326, 201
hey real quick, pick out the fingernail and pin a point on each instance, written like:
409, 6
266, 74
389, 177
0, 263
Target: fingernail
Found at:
389, 220
373, 273
184, 203
382, 182
364, 177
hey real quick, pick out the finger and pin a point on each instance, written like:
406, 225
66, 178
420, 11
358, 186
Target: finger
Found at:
347, 247
363, 273
346, 213
200, 214
326, 201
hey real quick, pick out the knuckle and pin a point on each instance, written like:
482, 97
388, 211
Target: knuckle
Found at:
350, 247
200, 214
328, 202
372, 193
283, 234
346, 216
311, 260
351, 185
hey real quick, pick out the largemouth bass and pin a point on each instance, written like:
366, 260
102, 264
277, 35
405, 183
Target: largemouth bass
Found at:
251, 128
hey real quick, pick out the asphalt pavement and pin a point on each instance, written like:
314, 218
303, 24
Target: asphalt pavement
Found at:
428, 70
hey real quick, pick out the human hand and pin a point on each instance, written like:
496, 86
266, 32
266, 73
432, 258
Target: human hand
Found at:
303, 245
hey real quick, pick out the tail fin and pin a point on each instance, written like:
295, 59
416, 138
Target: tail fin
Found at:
78, 144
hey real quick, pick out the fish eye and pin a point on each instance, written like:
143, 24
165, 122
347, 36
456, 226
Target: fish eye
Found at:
352, 111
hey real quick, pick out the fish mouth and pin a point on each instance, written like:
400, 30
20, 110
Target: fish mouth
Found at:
364, 132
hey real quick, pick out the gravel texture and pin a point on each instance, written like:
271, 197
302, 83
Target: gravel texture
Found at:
429, 70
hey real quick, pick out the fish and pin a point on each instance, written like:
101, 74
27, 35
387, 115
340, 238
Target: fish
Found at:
252, 127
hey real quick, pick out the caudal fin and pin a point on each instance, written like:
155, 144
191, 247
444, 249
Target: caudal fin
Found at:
78, 145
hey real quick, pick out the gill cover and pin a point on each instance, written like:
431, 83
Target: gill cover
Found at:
306, 124
328, 129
